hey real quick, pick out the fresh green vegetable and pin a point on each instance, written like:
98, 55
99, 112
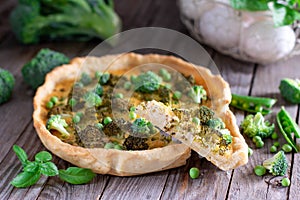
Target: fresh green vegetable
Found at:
287, 125
216, 123
54, 99
276, 144
198, 93
256, 138
99, 126
257, 126
226, 136
107, 120
196, 120
273, 149
119, 95
252, 104
72, 102
194, 172
285, 182
177, 95
277, 165
85, 79
76, 119
260, 170
34, 71
274, 136
147, 82
57, 123
287, 148
284, 12
92, 99
49, 104
99, 90
132, 115
42, 165
250, 151
290, 90
118, 147
32, 21
109, 145
259, 144
165, 74
142, 126
75, 175
127, 85
7, 83
104, 78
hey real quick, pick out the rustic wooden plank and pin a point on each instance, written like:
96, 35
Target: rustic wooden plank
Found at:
266, 84
5, 10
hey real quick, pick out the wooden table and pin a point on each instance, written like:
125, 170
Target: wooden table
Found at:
244, 78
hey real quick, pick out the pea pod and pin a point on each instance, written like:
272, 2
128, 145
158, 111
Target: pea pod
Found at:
252, 104
287, 125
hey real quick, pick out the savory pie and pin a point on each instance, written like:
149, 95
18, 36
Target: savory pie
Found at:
98, 101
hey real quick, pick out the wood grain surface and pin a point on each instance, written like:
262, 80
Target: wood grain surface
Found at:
213, 184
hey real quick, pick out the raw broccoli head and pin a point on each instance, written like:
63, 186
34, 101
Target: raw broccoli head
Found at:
7, 83
56, 19
257, 126
34, 71
135, 143
198, 93
277, 165
92, 99
147, 82
290, 90
55, 122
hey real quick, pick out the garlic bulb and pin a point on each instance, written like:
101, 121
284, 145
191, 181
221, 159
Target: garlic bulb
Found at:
220, 27
265, 43
193, 9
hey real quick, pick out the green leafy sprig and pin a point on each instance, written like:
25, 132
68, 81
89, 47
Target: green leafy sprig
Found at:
42, 165
285, 12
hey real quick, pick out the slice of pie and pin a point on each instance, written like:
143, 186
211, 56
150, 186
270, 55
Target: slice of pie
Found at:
100, 113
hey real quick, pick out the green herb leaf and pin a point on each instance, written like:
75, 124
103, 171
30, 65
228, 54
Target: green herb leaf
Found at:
251, 5
25, 179
21, 154
48, 169
75, 175
282, 14
43, 156
31, 167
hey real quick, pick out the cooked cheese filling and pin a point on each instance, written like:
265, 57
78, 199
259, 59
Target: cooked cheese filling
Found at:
100, 112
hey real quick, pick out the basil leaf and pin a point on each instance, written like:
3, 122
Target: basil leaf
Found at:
75, 175
25, 179
282, 15
43, 156
48, 169
21, 154
250, 5
31, 167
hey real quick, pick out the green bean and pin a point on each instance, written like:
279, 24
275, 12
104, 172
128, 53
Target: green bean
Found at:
252, 104
284, 120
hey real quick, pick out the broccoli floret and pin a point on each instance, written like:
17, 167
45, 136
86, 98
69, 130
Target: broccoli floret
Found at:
226, 137
67, 19
34, 71
147, 82
216, 123
197, 93
85, 79
135, 143
205, 114
7, 83
142, 127
277, 165
55, 122
92, 99
290, 90
257, 126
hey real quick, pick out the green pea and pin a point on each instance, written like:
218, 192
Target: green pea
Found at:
72, 102
194, 172
168, 86
107, 120
99, 89
76, 119
78, 85
245, 105
285, 182
177, 95
255, 139
132, 108
258, 108
118, 147
274, 136
162, 72
127, 85
132, 115
234, 102
260, 170
167, 77
104, 78
119, 95
287, 148
273, 149
250, 151
109, 145
196, 120
288, 129
54, 99
259, 144
49, 104
133, 78
80, 114
99, 126
276, 144
98, 75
